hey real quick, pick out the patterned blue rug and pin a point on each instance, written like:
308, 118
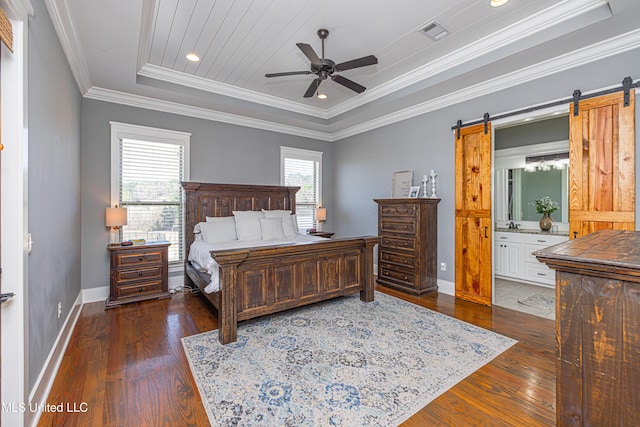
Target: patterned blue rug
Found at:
337, 363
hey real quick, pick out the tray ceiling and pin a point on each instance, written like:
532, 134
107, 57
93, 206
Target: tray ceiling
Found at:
134, 52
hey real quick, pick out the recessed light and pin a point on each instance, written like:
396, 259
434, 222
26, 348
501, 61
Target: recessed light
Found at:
193, 57
498, 3
322, 96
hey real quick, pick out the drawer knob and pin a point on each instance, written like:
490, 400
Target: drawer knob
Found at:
406, 244
139, 289
406, 278
140, 258
405, 261
386, 273
139, 273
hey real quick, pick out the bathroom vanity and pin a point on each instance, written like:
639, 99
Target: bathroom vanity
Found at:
513, 257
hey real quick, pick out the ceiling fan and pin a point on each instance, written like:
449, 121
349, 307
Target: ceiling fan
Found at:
325, 68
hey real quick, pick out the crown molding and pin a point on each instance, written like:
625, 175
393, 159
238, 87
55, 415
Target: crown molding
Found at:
607, 48
195, 82
108, 95
539, 22
604, 49
68, 36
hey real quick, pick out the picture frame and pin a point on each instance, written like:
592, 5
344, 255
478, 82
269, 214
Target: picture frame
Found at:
414, 192
401, 183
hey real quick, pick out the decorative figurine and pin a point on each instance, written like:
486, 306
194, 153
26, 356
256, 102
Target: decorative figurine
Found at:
425, 179
433, 175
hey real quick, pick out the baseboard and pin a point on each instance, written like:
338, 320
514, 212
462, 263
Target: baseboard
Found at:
42, 387
446, 287
95, 294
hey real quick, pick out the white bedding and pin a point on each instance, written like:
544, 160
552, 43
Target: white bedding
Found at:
201, 259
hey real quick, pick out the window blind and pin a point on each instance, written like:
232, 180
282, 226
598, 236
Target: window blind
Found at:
304, 174
150, 176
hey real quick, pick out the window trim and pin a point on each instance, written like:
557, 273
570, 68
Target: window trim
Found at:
303, 154
121, 131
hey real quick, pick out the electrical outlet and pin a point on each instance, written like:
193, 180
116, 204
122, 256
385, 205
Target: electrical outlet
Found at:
443, 266
59, 309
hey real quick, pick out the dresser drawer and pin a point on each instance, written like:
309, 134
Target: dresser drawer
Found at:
406, 261
389, 226
127, 291
398, 210
544, 240
405, 279
398, 243
139, 274
138, 258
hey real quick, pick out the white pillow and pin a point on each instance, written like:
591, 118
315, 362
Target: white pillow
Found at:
289, 222
219, 231
248, 224
271, 228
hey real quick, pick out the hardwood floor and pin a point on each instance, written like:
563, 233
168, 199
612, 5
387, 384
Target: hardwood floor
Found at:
127, 364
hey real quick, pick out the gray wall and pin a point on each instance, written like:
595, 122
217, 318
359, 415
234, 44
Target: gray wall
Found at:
219, 152
551, 130
365, 162
54, 114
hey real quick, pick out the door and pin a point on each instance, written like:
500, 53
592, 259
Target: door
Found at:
473, 273
602, 170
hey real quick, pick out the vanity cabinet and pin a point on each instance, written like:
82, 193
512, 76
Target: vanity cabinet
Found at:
513, 257
508, 255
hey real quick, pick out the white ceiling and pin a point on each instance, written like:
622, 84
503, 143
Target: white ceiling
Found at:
133, 52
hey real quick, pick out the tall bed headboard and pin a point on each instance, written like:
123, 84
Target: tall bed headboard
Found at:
205, 199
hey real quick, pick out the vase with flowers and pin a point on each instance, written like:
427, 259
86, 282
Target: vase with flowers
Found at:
546, 207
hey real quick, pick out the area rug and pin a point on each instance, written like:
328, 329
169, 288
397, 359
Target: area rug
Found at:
545, 302
337, 363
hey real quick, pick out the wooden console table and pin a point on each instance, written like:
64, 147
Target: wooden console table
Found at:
597, 328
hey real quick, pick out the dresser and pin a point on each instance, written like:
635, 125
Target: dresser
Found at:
138, 273
597, 328
407, 253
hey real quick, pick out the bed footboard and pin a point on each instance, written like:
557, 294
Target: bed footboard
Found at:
259, 281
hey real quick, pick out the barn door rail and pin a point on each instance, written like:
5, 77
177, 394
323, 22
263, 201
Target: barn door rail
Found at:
627, 85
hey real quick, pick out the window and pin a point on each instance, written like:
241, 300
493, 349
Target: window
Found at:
147, 167
303, 168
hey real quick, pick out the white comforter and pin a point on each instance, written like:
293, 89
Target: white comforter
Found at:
201, 259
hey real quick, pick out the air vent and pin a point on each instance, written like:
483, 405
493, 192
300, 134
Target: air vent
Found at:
435, 31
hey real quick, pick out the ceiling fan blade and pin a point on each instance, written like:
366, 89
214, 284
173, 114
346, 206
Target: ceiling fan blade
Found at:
348, 83
288, 73
309, 53
312, 88
357, 63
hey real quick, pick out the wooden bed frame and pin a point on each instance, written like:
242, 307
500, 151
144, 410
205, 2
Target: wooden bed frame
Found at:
264, 280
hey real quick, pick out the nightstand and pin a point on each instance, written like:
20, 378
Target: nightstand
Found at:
138, 273
325, 234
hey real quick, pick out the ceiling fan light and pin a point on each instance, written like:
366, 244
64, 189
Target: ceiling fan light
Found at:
193, 57
322, 95
498, 3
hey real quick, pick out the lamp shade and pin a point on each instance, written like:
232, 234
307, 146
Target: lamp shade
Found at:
115, 217
321, 214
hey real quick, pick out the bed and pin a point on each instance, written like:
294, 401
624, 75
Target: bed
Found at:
261, 280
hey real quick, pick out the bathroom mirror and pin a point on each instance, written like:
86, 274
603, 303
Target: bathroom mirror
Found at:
524, 175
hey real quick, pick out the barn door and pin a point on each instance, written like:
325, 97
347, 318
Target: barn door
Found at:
473, 214
602, 165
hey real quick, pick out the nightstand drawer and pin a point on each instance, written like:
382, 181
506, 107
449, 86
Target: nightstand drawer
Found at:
397, 226
138, 258
126, 291
399, 210
139, 274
